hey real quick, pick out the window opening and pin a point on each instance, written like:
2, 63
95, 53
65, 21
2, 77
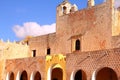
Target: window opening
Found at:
64, 9
48, 51
77, 45
34, 53
27, 43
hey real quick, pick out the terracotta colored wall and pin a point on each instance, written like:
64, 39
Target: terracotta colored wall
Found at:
92, 25
41, 43
30, 65
93, 62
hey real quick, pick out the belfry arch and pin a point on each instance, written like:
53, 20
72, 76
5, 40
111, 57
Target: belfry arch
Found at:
104, 74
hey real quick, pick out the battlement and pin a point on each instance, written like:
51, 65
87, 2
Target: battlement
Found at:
13, 43
10, 50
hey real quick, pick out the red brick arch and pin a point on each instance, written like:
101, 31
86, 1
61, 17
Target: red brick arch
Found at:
104, 73
24, 76
10, 76
78, 75
35, 76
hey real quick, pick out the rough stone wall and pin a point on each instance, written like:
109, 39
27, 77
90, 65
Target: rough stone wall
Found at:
52, 41
94, 27
93, 24
2, 69
9, 50
89, 62
30, 65
41, 43
98, 33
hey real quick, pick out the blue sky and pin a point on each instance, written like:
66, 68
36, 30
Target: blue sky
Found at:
15, 14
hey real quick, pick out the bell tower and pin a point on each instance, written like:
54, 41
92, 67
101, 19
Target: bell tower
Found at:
65, 8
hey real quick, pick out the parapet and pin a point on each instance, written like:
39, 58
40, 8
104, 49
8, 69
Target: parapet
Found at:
11, 50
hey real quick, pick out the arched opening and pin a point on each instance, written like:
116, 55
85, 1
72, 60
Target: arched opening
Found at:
48, 51
34, 53
80, 75
77, 44
37, 76
64, 10
106, 74
57, 74
11, 76
24, 76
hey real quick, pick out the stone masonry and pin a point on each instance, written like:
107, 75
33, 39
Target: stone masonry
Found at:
85, 46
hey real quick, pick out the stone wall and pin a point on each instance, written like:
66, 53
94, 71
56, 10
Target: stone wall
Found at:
90, 62
30, 65
12, 50
94, 25
42, 43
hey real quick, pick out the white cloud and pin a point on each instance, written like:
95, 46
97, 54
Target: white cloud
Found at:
117, 3
33, 29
